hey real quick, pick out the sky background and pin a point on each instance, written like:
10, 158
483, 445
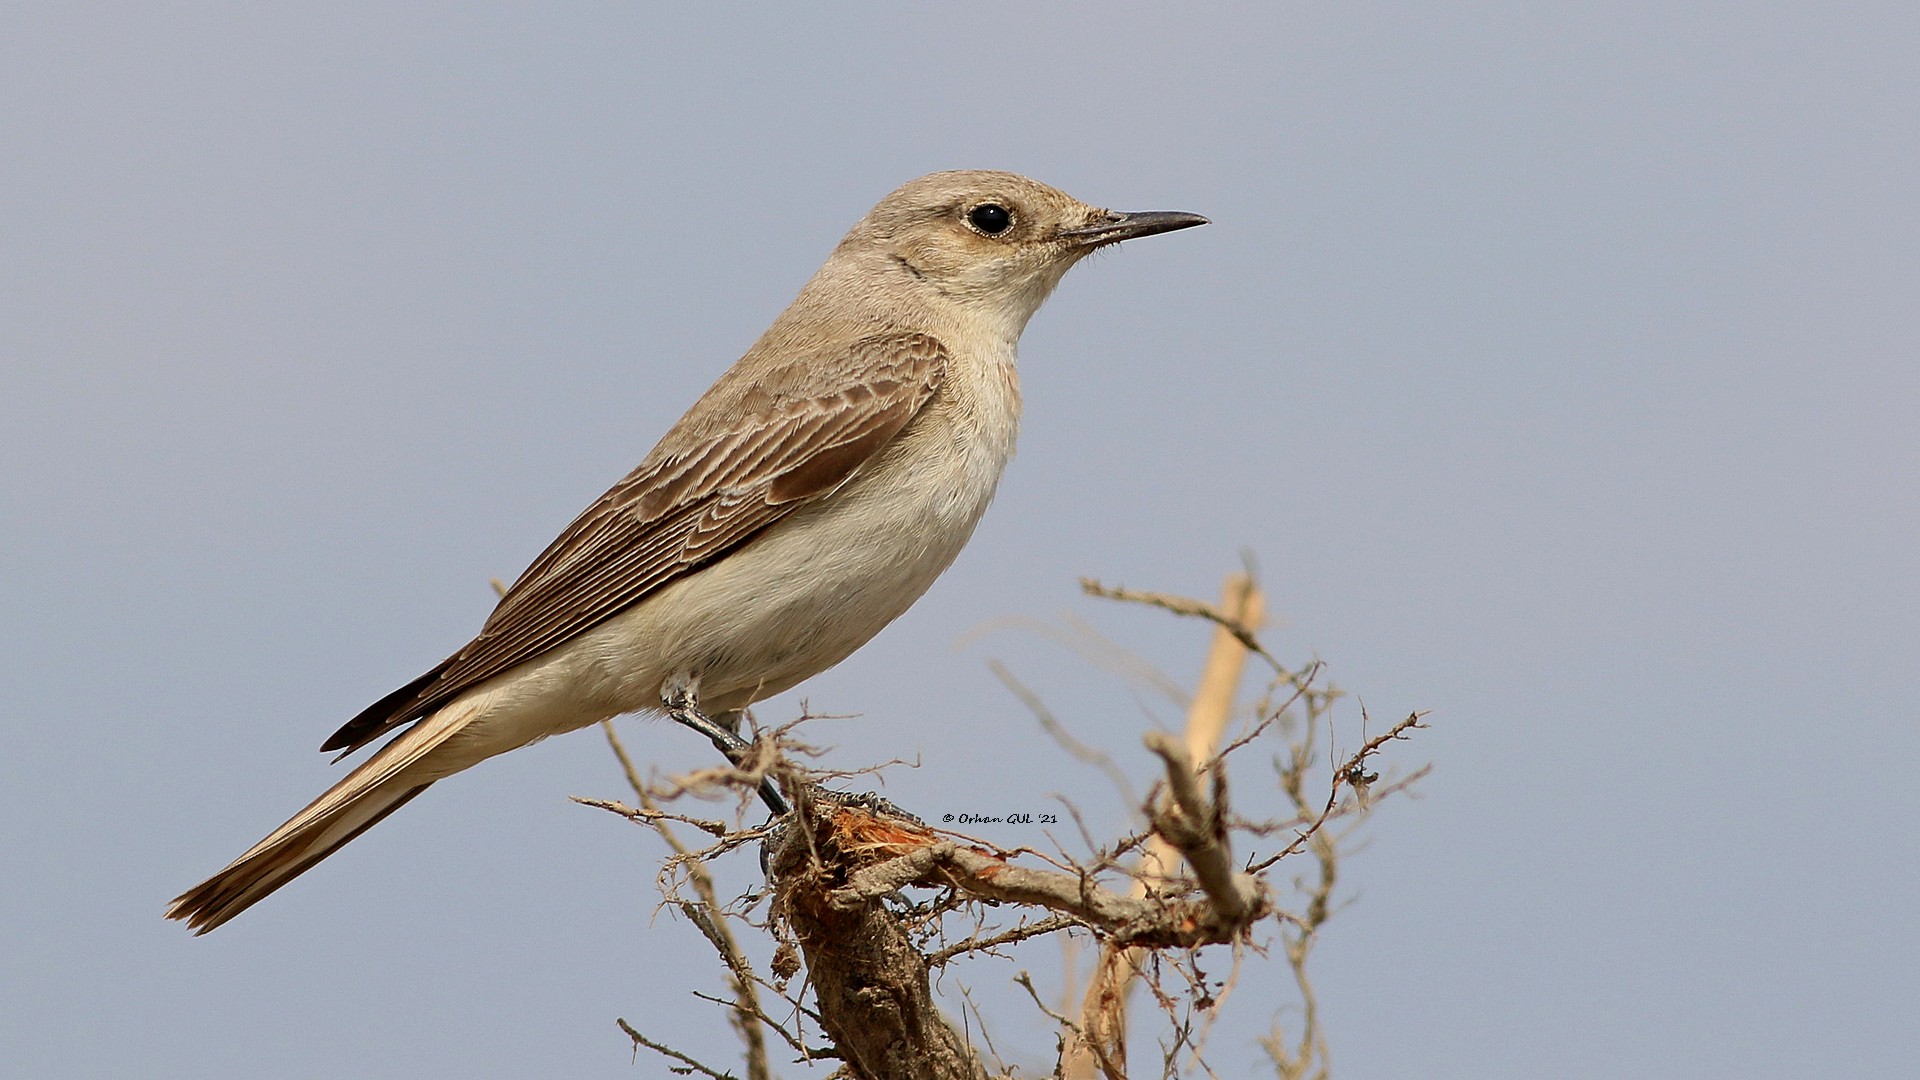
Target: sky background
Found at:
1558, 362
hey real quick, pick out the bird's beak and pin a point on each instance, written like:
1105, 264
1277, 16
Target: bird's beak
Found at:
1117, 226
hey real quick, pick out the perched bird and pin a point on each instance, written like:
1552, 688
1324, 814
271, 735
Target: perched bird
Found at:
803, 503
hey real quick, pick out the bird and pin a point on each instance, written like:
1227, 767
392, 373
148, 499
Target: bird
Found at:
805, 501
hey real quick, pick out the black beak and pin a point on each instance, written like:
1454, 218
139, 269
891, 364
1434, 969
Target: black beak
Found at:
1117, 226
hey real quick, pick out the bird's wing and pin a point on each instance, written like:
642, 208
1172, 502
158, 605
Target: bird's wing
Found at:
747, 454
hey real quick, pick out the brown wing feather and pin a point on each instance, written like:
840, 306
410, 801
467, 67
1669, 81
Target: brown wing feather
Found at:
746, 455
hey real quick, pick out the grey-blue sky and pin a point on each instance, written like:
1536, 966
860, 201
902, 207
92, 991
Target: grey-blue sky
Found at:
1557, 362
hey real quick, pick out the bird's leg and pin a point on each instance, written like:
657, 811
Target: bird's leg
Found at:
680, 697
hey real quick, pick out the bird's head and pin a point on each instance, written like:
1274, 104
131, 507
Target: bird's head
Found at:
993, 242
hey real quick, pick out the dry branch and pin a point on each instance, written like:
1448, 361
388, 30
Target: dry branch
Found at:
842, 872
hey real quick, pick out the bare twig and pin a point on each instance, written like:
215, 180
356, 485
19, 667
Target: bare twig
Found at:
1186, 606
1353, 773
1050, 924
668, 1051
706, 913
717, 829
1078, 636
1099, 759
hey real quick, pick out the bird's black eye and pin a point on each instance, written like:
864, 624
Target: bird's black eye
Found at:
990, 218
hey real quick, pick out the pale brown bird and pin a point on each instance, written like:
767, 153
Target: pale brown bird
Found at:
803, 503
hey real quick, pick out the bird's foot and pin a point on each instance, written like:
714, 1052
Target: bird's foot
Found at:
869, 801
876, 830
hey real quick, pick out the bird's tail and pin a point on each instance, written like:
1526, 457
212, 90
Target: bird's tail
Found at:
381, 785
